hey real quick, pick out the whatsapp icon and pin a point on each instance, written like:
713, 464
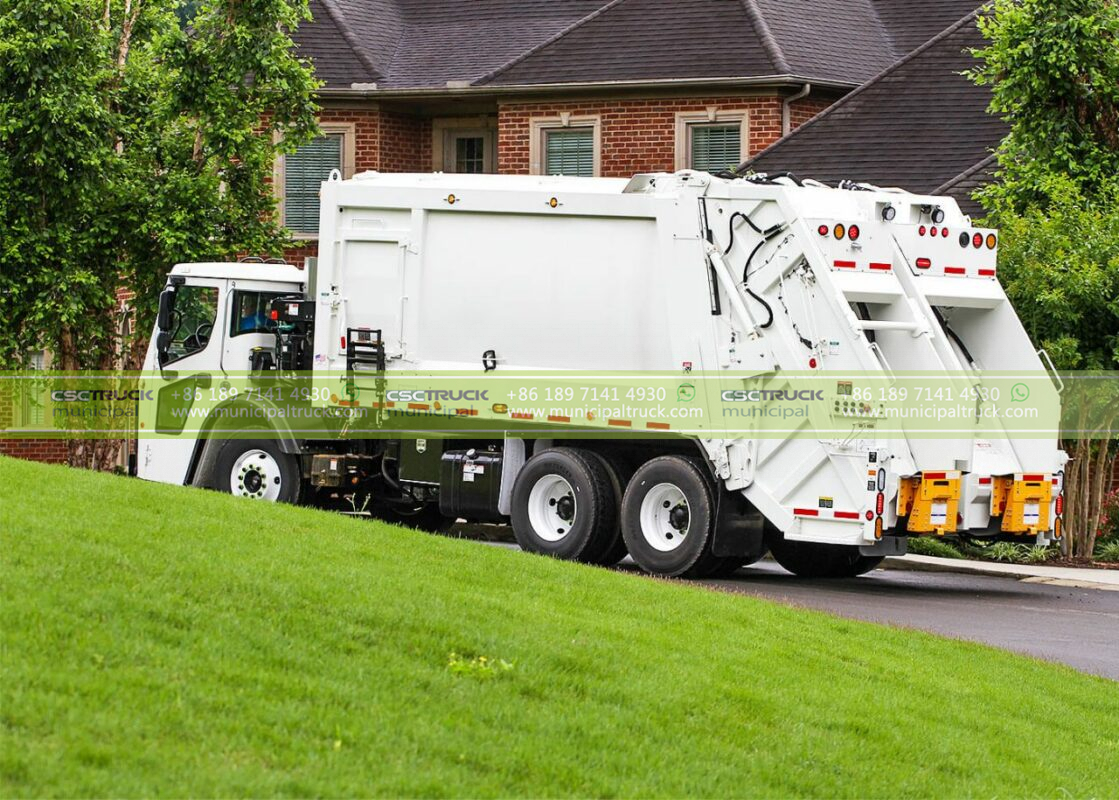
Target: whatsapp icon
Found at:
1019, 393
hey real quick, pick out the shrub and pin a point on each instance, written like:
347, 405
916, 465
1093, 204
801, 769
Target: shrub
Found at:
928, 546
1107, 551
1109, 517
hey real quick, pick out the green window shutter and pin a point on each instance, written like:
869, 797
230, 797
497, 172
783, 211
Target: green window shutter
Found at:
716, 147
569, 151
304, 170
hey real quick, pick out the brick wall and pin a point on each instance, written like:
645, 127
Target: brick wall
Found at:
637, 135
803, 110
50, 451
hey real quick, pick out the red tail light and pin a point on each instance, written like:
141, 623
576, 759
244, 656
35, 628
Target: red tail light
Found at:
822, 230
977, 240
1059, 506
879, 503
853, 232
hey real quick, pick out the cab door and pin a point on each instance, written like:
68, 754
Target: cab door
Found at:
248, 324
167, 435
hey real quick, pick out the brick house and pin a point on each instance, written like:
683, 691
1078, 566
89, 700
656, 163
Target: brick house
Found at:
580, 87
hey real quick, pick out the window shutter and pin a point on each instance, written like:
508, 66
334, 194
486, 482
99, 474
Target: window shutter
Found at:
569, 152
304, 170
716, 147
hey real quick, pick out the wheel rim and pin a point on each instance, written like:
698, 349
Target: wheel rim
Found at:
665, 517
256, 474
552, 509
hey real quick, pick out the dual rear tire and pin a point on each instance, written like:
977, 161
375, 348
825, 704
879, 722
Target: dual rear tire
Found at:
569, 503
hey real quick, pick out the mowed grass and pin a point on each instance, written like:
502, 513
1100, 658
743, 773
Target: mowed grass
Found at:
167, 641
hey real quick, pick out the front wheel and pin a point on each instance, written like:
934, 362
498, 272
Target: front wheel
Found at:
257, 469
816, 560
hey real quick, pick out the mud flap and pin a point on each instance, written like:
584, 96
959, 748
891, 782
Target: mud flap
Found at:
739, 528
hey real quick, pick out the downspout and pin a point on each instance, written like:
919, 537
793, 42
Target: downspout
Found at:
786, 108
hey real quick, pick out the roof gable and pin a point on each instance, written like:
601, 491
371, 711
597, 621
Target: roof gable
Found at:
425, 44
918, 125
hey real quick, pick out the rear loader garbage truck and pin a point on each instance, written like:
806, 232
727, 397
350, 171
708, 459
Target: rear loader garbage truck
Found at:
687, 369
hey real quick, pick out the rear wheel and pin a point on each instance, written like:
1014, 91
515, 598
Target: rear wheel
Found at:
668, 516
257, 469
618, 473
563, 506
815, 560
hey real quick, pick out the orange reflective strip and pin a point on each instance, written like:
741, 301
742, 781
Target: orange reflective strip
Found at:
558, 418
620, 423
657, 426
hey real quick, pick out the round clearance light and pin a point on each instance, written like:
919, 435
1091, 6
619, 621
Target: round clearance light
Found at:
823, 230
553, 202
888, 213
924, 263
938, 215
853, 232
933, 231
839, 230
977, 240
964, 239
921, 230
451, 199
944, 232
991, 241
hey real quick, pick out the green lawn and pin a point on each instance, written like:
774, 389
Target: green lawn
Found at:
167, 641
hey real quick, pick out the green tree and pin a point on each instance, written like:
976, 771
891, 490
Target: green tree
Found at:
134, 134
1053, 68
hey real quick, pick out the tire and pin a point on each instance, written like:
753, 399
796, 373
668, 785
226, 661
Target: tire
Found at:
618, 474
815, 560
258, 469
563, 506
668, 516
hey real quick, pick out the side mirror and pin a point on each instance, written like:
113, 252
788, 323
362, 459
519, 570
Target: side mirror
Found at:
166, 308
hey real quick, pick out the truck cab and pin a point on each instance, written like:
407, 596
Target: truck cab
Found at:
211, 317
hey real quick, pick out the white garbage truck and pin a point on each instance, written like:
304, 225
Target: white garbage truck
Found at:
755, 281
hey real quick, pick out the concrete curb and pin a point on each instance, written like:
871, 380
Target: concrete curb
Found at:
1107, 580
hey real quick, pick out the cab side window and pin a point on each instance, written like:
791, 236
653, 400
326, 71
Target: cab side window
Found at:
196, 308
251, 312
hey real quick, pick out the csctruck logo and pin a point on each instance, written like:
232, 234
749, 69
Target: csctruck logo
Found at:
94, 395
760, 395
446, 395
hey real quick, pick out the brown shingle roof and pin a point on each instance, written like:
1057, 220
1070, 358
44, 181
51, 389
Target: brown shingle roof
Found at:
920, 125
401, 44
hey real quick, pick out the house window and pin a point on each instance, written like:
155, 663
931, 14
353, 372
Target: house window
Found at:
566, 145
711, 140
464, 144
470, 154
304, 171
569, 151
715, 147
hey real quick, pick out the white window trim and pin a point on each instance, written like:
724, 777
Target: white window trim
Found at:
709, 116
349, 147
539, 126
